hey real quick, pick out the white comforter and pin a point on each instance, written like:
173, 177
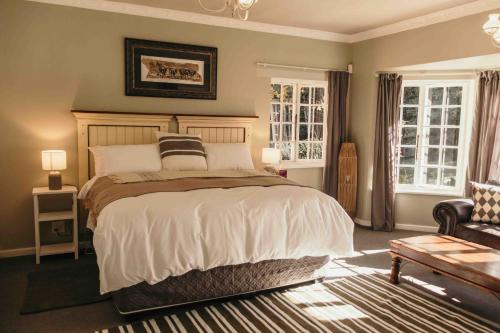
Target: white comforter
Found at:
154, 236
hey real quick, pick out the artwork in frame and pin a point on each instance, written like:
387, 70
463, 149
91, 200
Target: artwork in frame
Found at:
162, 69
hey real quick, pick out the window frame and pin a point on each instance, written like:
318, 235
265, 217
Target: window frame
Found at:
298, 84
464, 137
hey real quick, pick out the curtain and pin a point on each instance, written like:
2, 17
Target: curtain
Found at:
338, 87
484, 153
385, 154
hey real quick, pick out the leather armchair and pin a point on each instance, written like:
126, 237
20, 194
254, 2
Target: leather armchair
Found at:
449, 213
454, 219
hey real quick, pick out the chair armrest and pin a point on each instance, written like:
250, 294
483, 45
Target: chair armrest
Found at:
449, 213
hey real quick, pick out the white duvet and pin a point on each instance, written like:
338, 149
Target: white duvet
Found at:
154, 236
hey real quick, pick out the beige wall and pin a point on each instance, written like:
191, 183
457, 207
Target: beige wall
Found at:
54, 59
450, 40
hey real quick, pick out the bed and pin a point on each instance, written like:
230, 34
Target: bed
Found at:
217, 238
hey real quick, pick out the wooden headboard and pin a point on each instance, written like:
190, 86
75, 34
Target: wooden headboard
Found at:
218, 129
113, 128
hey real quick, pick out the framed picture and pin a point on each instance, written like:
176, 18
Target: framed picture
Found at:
161, 69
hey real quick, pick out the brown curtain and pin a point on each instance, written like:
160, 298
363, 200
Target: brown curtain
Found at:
484, 153
384, 161
338, 87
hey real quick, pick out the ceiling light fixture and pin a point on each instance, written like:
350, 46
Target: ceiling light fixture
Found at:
492, 28
239, 8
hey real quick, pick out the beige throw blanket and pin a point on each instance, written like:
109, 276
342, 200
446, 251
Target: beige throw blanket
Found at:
108, 189
136, 177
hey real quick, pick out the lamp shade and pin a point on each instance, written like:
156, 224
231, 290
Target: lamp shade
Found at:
271, 155
53, 160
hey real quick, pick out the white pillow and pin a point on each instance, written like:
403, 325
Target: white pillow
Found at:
125, 158
180, 152
228, 156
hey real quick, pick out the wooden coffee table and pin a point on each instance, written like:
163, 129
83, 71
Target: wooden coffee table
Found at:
473, 263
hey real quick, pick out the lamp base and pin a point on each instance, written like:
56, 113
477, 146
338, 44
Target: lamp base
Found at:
55, 180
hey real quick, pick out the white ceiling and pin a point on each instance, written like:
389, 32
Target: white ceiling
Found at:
340, 16
335, 20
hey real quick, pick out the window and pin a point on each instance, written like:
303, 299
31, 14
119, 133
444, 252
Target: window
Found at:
432, 127
298, 121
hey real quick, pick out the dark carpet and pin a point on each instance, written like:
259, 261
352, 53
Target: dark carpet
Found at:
371, 254
61, 288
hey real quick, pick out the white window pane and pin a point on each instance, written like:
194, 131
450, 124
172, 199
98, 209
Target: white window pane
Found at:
287, 94
436, 96
450, 157
431, 176
287, 132
411, 95
453, 116
303, 133
304, 114
409, 136
317, 133
287, 113
303, 148
317, 151
319, 96
454, 95
286, 151
432, 136
305, 93
431, 155
406, 175
410, 116
275, 92
452, 136
407, 155
449, 177
317, 114
275, 113
434, 116
274, 132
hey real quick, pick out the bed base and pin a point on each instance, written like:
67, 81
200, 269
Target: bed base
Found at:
216, 283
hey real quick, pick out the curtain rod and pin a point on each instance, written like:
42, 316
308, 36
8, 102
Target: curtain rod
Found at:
264, 64
434, 73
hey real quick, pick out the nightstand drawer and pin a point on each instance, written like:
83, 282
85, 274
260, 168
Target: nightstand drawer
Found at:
55, 216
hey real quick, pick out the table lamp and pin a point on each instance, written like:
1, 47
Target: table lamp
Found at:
54, 161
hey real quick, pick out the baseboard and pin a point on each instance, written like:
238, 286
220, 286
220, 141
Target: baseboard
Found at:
401, 226
22, 251
28, 251
361, 222
416, 227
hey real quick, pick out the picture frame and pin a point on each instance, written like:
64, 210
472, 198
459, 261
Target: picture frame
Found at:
171, 70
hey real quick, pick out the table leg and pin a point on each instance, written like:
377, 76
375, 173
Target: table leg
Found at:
396, 266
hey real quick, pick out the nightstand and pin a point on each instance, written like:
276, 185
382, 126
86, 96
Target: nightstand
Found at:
70, 247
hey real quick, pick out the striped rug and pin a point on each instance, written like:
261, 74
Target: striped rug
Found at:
360, 303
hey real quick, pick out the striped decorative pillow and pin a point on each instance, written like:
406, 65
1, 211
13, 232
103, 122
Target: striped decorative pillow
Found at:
181, 152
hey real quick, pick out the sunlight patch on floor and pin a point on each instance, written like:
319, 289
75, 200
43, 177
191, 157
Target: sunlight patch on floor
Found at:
335, 312
311, 296
423, 284
368, 252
